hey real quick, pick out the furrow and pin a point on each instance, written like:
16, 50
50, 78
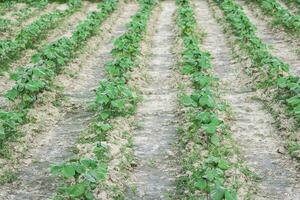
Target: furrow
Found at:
153, 141
251, 125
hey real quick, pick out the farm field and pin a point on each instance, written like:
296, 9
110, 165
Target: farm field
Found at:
149, 99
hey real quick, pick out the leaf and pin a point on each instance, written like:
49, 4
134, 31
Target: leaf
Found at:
188, 101
34, 85
12, 94
119, 103
214, 139
36, 58
56, 169
88, 163
201, 184
104, 115
224, 165
229, 195
76, 190
206, 100
217, 193
68, 171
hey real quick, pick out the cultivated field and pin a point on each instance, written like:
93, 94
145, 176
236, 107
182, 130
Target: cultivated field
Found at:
150, 99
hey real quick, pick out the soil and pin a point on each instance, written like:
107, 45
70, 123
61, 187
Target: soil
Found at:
251, 125
155, 137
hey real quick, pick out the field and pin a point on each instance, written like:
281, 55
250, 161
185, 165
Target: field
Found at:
149, 99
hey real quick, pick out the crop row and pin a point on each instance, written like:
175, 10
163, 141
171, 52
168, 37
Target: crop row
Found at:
114, 98
282, 16
30, 35
273, 72
202, 130
34, 79
270, 72
22, 15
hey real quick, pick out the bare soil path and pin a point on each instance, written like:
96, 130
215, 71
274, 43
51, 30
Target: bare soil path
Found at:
55, 145
154, 140
251, 125
277, 41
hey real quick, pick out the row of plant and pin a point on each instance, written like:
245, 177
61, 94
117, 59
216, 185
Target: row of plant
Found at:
293, 5
282, 16
114, 99
31, 34
21, 15
47, 64
204, 138
6, 6
269, 72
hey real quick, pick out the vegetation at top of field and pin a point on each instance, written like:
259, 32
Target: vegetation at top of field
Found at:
114, 98
282, 17
203, 135
271, 73
22, 14
30, 35
32, 80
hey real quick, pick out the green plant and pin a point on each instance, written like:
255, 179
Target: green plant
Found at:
272, 74
114, 98
33, 80
202, 129
282, 17
31, 34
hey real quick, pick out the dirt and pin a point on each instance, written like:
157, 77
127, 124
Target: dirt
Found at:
64, 29
277, 41
154, 139
54, 143
251, 125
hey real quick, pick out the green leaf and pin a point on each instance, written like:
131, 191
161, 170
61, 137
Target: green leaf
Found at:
76, 190
104, 115
214, 139
206, 100
120, 104
68, 171
223, 164
12, 94
201, 184
188, 101
217, 193
56, 169
229, 195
